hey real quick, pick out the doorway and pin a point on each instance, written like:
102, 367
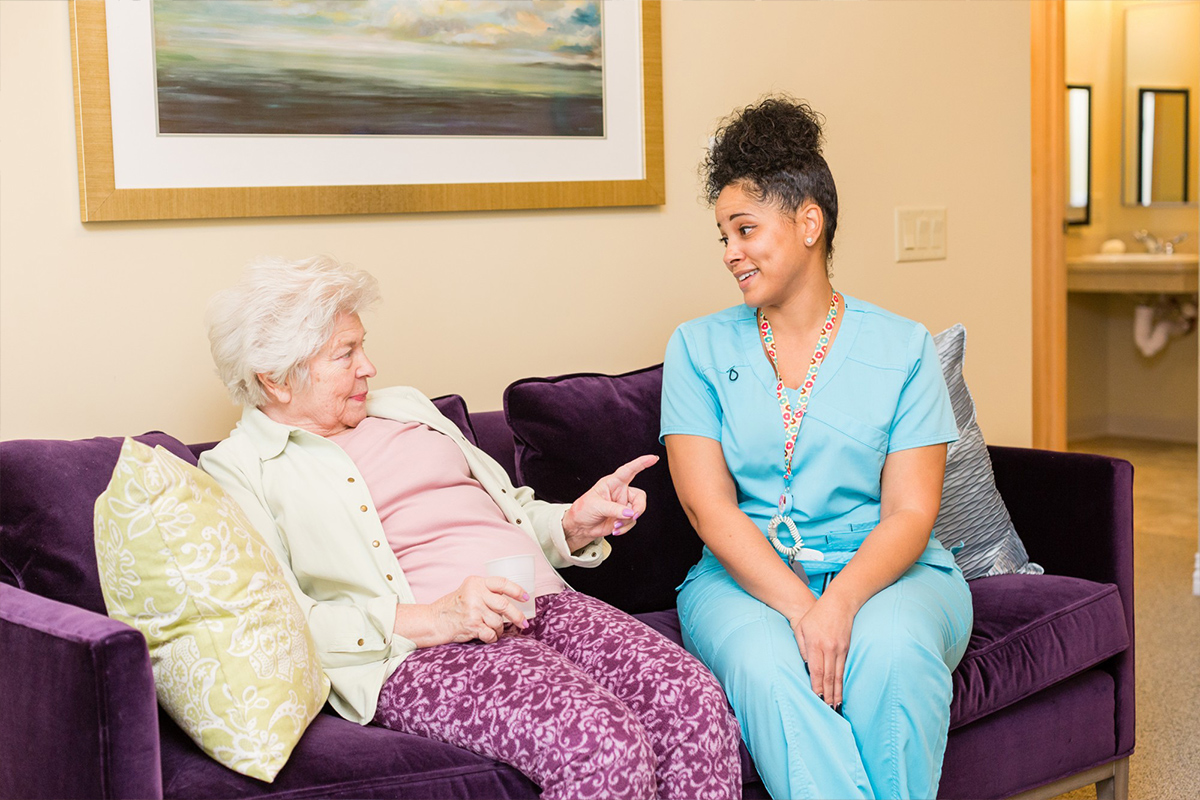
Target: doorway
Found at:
1165, 486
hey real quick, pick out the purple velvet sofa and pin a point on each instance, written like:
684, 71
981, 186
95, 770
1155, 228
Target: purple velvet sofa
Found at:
1044, 699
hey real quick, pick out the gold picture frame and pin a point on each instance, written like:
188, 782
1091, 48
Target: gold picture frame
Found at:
100, 199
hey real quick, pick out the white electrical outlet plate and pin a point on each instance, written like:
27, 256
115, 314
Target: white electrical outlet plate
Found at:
920, 234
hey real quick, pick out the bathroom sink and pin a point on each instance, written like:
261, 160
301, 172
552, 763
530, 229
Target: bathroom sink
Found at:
1175, 273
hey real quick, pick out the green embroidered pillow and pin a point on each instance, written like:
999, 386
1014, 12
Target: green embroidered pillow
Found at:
234, 663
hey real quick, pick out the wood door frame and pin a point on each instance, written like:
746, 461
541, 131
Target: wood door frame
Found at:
1048, 167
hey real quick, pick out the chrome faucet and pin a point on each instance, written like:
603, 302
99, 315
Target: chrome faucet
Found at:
1153, 243
1168, 246
1156, 245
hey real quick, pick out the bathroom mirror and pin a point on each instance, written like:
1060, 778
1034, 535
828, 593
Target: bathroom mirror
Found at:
1162, 146
1162, 79
1079, 155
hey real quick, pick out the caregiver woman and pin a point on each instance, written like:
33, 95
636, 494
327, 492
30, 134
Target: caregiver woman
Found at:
806, 432
384, 516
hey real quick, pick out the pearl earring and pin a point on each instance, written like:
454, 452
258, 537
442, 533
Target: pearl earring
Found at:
808, 240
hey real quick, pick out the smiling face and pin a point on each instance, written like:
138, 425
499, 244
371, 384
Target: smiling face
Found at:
334, 398
766, 249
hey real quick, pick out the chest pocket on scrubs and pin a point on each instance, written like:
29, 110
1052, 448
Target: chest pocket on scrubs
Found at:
846, 450
852, 427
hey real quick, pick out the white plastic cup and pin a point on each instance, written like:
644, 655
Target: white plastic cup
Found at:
519, 570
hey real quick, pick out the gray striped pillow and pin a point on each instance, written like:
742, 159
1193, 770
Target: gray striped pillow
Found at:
973, 514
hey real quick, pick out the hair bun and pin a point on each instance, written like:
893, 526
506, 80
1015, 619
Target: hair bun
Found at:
776, 133
794, 120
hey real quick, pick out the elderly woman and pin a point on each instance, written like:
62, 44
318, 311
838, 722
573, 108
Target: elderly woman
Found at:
384, 516
822, 601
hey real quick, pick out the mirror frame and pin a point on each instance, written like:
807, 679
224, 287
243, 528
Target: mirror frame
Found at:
1071, 216
1141, 127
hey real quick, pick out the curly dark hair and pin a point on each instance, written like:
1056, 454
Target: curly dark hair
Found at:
772, 149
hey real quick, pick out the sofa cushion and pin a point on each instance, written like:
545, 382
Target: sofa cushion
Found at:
496, 439
49, 488
973, 521
340, 759
454, 408
234, 663
1030, 632
572, 430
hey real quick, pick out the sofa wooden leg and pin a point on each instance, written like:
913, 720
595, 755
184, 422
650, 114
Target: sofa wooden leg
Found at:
1116, 787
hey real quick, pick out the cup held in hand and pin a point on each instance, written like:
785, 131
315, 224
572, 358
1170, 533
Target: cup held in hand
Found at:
519, 570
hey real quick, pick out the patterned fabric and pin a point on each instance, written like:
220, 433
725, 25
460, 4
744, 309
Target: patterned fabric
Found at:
973, 514
587, 701
234, 664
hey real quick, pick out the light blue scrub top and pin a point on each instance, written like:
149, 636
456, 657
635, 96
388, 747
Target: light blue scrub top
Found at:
879, 390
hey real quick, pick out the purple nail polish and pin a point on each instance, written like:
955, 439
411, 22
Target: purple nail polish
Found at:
524, 596
628, 513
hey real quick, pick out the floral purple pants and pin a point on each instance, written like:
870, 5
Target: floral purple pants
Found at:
587, 701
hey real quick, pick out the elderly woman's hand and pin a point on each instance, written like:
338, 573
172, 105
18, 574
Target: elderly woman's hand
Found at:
612, 506
478, 609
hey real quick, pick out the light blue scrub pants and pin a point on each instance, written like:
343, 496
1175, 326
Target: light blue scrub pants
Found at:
896, 687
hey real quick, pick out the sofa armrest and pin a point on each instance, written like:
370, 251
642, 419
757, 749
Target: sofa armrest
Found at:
1074, 512
78, 704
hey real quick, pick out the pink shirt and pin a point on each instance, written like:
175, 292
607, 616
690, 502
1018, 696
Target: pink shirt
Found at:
441, 524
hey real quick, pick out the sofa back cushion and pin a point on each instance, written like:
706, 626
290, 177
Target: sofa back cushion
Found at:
572, 430
48, 489
454, 408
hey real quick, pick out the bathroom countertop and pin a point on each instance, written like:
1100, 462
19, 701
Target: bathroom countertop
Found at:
1133, 273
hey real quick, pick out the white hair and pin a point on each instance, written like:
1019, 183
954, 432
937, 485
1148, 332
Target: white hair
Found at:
277, 317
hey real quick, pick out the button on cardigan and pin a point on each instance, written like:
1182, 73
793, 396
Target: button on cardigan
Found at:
306, 497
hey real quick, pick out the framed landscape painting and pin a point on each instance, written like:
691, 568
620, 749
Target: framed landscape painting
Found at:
238, 108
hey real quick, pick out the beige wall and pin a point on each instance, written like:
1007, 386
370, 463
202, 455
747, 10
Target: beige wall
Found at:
1112, 388
927, 102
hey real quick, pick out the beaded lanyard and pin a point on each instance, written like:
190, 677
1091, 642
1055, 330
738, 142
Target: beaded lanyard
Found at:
791, 422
